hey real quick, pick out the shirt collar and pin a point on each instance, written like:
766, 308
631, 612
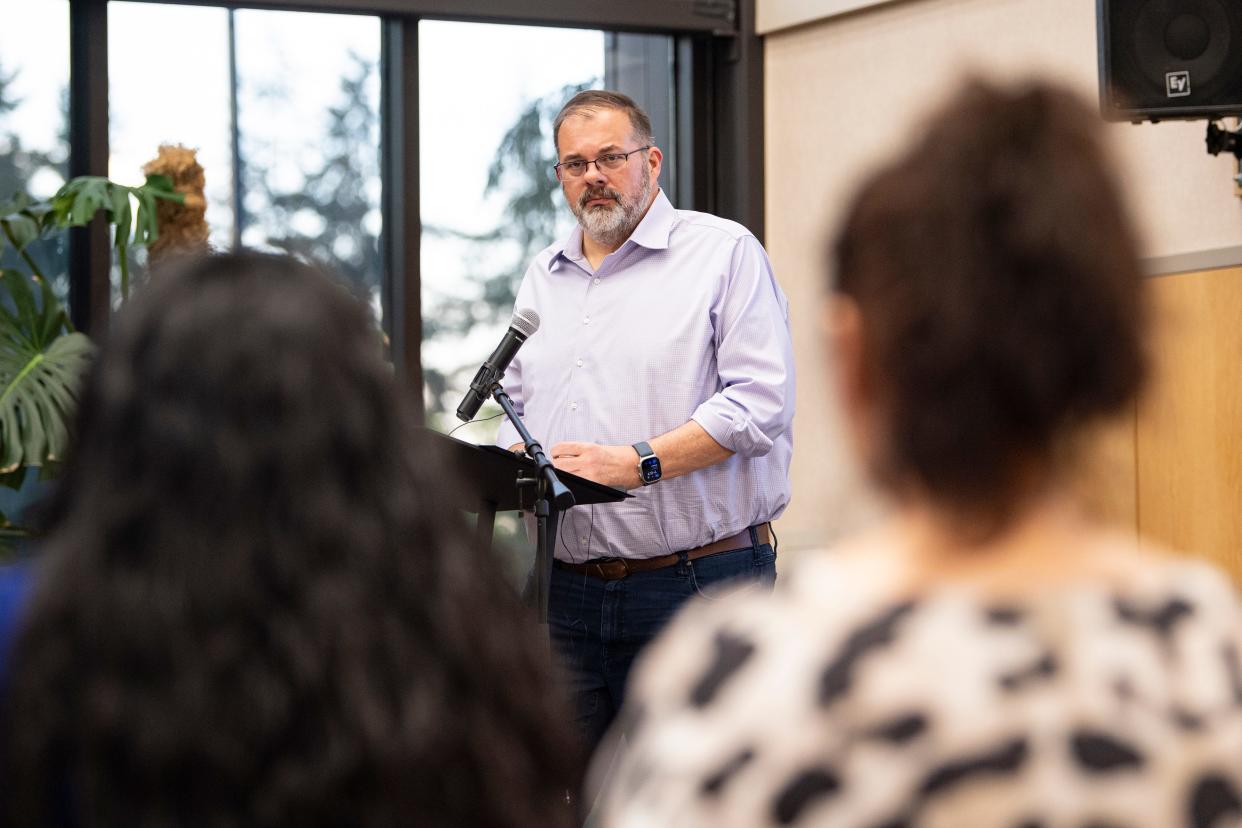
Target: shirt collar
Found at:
652, 232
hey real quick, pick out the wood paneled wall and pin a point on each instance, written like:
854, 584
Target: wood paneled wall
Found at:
1188, 445
1173, 469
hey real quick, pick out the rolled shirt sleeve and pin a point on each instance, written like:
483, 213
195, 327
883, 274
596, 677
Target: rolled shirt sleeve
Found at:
754, 358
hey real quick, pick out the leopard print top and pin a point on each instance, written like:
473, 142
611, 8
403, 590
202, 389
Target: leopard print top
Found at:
1082, 707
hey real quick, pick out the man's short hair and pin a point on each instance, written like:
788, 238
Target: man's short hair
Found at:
591, 100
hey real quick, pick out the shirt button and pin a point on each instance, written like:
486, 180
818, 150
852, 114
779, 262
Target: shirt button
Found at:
573, 406
597, 280
586, 320
583, 539
579, 363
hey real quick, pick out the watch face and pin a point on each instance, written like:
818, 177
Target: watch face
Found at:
650, 469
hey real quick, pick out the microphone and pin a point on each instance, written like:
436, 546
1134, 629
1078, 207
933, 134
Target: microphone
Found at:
524, 323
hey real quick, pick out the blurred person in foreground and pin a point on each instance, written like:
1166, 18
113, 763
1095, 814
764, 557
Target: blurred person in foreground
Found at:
990, 656
257, 605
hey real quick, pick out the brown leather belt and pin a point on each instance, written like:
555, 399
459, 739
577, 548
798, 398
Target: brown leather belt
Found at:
612, 569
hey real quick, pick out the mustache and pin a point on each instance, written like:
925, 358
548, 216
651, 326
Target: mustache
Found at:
598, 192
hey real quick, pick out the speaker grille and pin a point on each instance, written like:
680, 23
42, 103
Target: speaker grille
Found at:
1170, 58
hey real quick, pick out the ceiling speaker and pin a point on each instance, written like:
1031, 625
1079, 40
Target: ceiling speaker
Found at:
1162, 59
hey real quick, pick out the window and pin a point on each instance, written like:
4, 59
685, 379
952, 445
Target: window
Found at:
298, 168
34, 101
284, 108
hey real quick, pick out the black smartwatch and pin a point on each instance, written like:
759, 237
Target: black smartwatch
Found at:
648, 464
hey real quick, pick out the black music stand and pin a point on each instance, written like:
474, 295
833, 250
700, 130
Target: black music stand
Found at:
497, 480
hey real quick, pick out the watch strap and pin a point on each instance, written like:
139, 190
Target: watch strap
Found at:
649, 470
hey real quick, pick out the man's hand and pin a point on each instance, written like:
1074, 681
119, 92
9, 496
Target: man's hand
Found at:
683, 450
615, 466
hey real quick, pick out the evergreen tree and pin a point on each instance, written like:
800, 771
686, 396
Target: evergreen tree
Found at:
336, 191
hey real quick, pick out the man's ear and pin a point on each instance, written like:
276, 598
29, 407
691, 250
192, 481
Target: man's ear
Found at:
655, 162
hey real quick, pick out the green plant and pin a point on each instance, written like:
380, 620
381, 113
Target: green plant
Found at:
42, 357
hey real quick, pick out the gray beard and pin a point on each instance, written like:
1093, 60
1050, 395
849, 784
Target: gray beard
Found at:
610, 226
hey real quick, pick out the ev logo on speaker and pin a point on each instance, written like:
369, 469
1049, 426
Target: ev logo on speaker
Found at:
1177, 84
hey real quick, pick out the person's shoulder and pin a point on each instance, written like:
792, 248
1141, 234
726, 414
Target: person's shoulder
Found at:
542, 261
1185, 584
865, 567
844, 578
696, 223
823, 590
1145, 566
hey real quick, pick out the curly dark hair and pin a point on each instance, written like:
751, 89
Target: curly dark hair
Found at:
996, 273
258, 605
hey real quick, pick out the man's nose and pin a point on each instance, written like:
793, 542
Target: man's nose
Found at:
593, 174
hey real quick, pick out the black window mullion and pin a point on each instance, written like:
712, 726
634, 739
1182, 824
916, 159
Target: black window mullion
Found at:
90, 290
695, 127
734, 85
402, 225
638, 65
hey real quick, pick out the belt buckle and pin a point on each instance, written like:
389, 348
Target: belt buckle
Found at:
612, 570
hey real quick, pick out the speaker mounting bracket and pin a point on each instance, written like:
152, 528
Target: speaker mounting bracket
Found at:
1222, 140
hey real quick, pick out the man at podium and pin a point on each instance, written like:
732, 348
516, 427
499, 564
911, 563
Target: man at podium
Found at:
662, 365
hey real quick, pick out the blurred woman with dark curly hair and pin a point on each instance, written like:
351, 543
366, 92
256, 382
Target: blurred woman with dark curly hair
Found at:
257, 605
990, 656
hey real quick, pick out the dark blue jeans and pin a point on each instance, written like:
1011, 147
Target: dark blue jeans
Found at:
598, 627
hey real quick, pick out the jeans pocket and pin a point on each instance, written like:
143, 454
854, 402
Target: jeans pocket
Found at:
765, 567
730, 572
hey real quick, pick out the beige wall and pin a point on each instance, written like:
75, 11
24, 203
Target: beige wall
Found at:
843, 92
771, 15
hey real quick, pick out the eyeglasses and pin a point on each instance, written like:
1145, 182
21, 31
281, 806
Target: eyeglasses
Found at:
611, 161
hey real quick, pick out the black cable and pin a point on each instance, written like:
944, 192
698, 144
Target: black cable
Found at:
472, 422
590, 535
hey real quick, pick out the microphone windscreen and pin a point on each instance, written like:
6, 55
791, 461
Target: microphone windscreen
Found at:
525, 320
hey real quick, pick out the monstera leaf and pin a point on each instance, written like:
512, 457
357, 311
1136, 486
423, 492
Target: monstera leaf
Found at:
41, 367
42, 358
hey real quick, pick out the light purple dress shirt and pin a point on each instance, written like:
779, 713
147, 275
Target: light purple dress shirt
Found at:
684, 321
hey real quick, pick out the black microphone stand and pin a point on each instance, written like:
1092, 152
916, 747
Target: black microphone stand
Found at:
552, 497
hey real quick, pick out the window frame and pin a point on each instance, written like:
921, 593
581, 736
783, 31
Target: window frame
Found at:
718, 79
